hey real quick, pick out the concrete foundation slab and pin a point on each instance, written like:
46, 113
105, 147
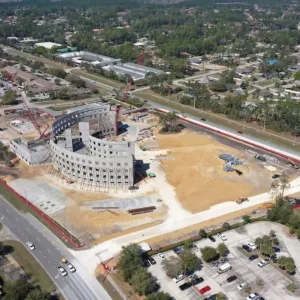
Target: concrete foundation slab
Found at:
46, 197
124, 203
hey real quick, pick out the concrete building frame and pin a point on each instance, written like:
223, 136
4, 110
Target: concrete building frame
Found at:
99, 162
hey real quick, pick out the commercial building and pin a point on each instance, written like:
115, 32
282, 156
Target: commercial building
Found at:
47, 45
135, 71
80, 57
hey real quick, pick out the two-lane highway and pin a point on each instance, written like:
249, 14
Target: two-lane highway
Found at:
49, 252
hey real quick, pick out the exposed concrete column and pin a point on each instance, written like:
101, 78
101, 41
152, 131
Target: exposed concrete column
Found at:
69, 143
84, 129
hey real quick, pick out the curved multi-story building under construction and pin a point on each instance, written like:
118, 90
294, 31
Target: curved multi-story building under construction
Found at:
85, 151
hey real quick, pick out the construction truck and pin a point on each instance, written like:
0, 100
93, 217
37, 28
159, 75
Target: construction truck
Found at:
241, 200
260, 157
293, 164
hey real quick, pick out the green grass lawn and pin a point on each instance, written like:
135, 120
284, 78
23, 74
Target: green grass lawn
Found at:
31, 267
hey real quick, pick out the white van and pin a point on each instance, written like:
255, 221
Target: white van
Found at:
224, 268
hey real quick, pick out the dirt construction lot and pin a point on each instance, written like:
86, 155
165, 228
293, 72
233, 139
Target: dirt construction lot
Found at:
197, 174
268, 281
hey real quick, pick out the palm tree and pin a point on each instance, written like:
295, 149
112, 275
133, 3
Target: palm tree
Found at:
169, 121
284, 183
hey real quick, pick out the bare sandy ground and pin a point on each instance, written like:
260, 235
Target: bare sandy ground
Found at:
197, 172
193, 178
105, 225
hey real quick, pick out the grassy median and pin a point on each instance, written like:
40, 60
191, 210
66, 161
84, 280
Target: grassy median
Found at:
36, 273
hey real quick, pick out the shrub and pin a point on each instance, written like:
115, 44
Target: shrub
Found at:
209, 254
292, 288
202, 233
226, 226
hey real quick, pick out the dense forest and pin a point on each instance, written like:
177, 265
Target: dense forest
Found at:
177, 29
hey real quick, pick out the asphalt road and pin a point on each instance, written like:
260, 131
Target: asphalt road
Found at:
49, 252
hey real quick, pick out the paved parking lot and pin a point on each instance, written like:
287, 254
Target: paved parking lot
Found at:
267, 281
169, 286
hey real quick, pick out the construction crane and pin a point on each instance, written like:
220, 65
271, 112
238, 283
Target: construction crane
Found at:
128, 87
27, 110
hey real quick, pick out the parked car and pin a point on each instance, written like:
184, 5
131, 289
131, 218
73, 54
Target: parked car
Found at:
275, 259
222, 236
276, 249
246, 248
185, 286
152, 260
161, 255
205, 289
231, 278
147, 263
178, 278
242, 286
253, 257
275, 176
197, 280
253, 296
252, 246
212, 297
263, 263
212, 238
240, 132
178, 250
193, 277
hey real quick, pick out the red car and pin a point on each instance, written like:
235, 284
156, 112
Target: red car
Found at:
205, 289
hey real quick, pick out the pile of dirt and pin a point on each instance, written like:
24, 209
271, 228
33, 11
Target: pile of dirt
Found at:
197, 172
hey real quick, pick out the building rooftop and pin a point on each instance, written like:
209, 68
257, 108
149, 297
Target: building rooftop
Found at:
47, 45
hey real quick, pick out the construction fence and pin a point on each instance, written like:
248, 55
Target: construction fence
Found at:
7, 192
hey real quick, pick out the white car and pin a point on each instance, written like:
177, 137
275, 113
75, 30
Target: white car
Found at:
30, 246
62, 271
222, 236
161, 255
178, 278
71, 268
253, 296
252, 246
242, 286
263, 263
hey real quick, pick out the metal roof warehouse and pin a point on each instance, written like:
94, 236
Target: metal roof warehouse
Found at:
134, 70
